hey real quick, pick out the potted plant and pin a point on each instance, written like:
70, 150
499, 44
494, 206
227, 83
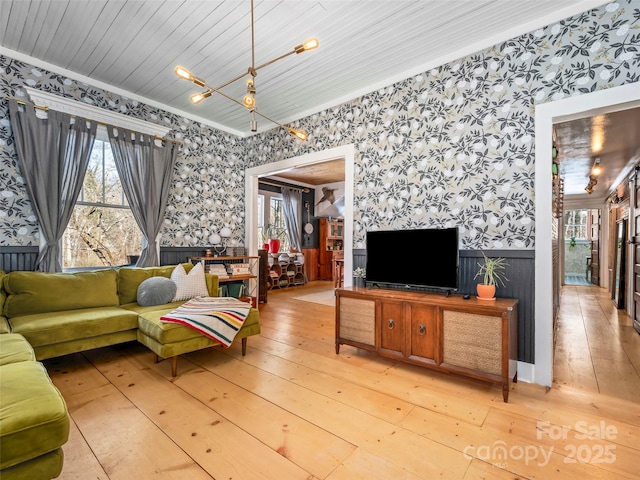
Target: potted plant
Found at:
492, 271
359, 274
264, 240
275, 236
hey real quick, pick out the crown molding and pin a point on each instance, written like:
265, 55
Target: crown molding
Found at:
74, 107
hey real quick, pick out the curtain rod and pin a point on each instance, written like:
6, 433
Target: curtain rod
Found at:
46, 109
266, 182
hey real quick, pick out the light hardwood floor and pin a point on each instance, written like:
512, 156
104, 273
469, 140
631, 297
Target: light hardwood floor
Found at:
597, 349
293, 409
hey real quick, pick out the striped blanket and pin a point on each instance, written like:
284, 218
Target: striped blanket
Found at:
219, 318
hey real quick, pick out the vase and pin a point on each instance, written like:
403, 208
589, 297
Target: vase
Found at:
274, 245
486, 292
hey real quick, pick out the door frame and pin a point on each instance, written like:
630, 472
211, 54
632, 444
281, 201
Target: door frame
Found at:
251, 194
579, 106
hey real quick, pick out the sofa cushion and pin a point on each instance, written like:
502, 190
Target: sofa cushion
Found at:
190, 285
4, 325
129, 278
156, 291
15, 348
37, 292
33, 417
56, 327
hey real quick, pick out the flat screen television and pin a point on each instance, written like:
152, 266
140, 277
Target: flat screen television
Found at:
425, 257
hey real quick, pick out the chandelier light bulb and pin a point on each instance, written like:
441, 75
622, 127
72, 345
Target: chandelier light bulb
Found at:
185, 74
298, 133
196, 98
249, 101
311, 44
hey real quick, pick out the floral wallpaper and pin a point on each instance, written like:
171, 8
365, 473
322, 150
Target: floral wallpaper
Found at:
453, 146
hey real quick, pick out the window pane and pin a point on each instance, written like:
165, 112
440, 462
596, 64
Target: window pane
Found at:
100, 236
277, 223
92, 186
576, 224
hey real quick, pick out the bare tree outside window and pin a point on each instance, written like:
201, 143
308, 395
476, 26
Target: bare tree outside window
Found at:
102, 230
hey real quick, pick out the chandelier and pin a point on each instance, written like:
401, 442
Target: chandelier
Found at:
248, 101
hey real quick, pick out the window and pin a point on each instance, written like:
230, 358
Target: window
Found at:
576, 224
102, 230
271, 219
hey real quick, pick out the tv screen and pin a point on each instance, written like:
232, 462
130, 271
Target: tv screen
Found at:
413, 258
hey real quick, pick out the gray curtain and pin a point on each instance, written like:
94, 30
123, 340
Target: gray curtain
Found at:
292, 206
145, 171
53, 155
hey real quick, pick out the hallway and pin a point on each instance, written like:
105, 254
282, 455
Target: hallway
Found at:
597, 349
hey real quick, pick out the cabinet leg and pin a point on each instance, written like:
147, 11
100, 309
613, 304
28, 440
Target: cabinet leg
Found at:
337, 348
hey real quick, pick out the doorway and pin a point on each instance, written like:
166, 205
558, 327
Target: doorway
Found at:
581, 106
251, 194
581, 247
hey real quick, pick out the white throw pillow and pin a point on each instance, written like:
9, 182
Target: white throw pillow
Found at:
189, 285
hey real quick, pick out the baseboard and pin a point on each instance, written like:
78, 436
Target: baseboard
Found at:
526, 372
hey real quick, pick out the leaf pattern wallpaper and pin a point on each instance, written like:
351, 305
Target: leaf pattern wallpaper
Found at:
453, 146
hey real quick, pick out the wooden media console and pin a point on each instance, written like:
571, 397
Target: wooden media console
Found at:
472, 337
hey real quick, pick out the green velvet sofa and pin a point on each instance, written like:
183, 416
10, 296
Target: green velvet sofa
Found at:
62, 313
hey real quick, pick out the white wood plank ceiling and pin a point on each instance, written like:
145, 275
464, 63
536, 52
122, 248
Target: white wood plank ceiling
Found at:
133, 46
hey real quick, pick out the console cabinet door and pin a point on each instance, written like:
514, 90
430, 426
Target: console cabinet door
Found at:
473, 341
357, 320
392, 327
423, 332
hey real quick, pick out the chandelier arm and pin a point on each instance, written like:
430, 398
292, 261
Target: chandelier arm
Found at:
275, 60
217, 89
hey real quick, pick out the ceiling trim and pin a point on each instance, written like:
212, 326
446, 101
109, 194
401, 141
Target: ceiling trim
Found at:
113, 89
91, 112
